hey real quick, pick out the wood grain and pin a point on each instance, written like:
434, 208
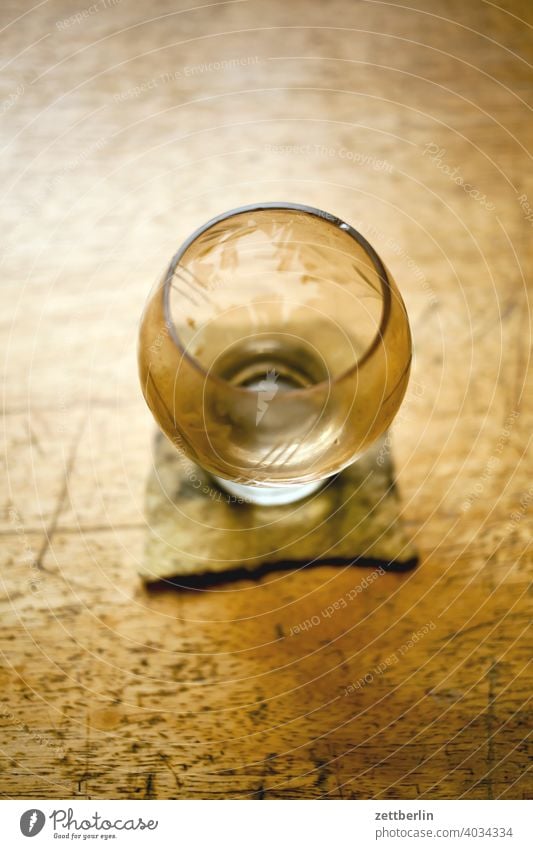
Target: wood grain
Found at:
123, 132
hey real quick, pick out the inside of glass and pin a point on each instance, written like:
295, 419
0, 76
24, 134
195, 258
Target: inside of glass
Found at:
276, 299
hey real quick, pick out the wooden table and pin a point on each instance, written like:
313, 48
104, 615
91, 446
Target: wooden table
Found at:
125, 126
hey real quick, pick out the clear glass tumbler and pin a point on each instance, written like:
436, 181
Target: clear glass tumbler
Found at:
275, 350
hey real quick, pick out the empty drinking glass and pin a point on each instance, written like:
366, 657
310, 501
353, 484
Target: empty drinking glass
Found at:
275, 350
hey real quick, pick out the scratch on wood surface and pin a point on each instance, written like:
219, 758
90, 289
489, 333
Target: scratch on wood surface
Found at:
168, 765
34, 439
490, 725
149, 787
52, 527
335, 762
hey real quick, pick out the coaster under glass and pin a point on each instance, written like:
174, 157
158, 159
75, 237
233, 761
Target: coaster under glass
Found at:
199, 534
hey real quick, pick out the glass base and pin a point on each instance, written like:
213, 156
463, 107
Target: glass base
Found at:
268, 495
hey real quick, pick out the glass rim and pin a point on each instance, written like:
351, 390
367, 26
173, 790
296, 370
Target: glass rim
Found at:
289, 207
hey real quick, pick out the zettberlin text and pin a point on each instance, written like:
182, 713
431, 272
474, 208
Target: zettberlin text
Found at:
402, 815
